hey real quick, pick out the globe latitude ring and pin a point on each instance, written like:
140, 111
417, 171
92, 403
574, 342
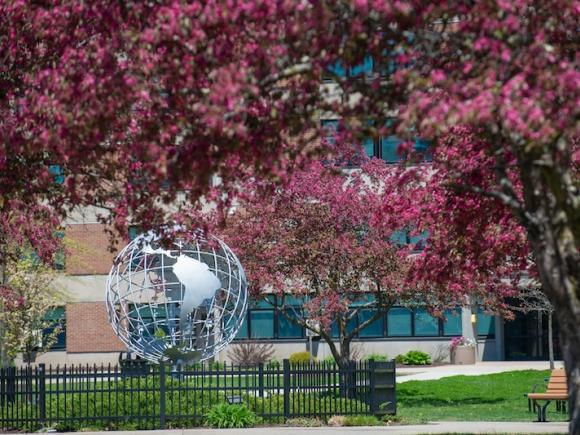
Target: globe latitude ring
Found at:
181, 304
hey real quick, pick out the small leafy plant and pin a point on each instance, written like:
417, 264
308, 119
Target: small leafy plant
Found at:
329, 359
376, 357
416, 358
230, 416
362, 420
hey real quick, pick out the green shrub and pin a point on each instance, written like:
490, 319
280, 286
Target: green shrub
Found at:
329, 359
119, 409
114, 410
400, 359
416, 358
230, 416
300, 357
376, 357
362, 420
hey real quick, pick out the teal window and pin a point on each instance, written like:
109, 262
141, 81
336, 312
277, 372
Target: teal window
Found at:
287, 328
337, 69
133, 232
485, 323
399, 237
350, 326
331, 127
385, 147
56, 318
334, 330
57, 172
389, 146
153, 316
375, 329
262, 323
423, 146
60, 254
369, 147
399, 322
403, 237
425, 323
363, 68
366, 67
452, 326
243, 331
417, 241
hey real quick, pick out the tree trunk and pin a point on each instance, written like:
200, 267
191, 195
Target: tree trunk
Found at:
344, 359
562, 289
570, 337
4, 359
347, 378
550, 341
554, 236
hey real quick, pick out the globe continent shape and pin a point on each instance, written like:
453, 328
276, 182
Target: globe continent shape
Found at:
198, 281
176, 304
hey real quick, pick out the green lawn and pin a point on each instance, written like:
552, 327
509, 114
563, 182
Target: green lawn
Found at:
498, 397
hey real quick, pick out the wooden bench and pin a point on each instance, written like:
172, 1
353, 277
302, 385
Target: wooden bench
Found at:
557, 390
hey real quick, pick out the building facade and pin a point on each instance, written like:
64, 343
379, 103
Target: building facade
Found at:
88, 338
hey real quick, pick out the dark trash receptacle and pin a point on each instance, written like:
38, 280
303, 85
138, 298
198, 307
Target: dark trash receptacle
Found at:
383, 397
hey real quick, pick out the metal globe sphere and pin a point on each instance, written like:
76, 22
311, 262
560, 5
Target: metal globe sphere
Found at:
181, 304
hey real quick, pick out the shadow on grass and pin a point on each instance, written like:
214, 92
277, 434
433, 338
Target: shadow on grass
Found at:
416, 399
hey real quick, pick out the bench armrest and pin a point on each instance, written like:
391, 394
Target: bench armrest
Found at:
534, 388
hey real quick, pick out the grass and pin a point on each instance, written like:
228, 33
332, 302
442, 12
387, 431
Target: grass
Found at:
497, 397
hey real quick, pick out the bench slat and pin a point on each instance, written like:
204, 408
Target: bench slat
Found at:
548, 396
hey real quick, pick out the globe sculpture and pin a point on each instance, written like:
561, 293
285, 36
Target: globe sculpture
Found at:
182, 303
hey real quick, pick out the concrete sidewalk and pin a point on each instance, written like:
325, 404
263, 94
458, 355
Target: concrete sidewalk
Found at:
447, 427
481, 368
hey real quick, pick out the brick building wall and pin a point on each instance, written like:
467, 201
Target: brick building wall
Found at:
87, 250
88, 329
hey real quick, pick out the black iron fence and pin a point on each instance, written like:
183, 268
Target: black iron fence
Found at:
154, 397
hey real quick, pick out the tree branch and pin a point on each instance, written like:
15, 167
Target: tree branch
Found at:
291, 71
526, 218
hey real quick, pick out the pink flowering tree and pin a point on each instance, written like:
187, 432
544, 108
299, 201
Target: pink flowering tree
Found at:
143, 104
316, 239
29, 247
507, 180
